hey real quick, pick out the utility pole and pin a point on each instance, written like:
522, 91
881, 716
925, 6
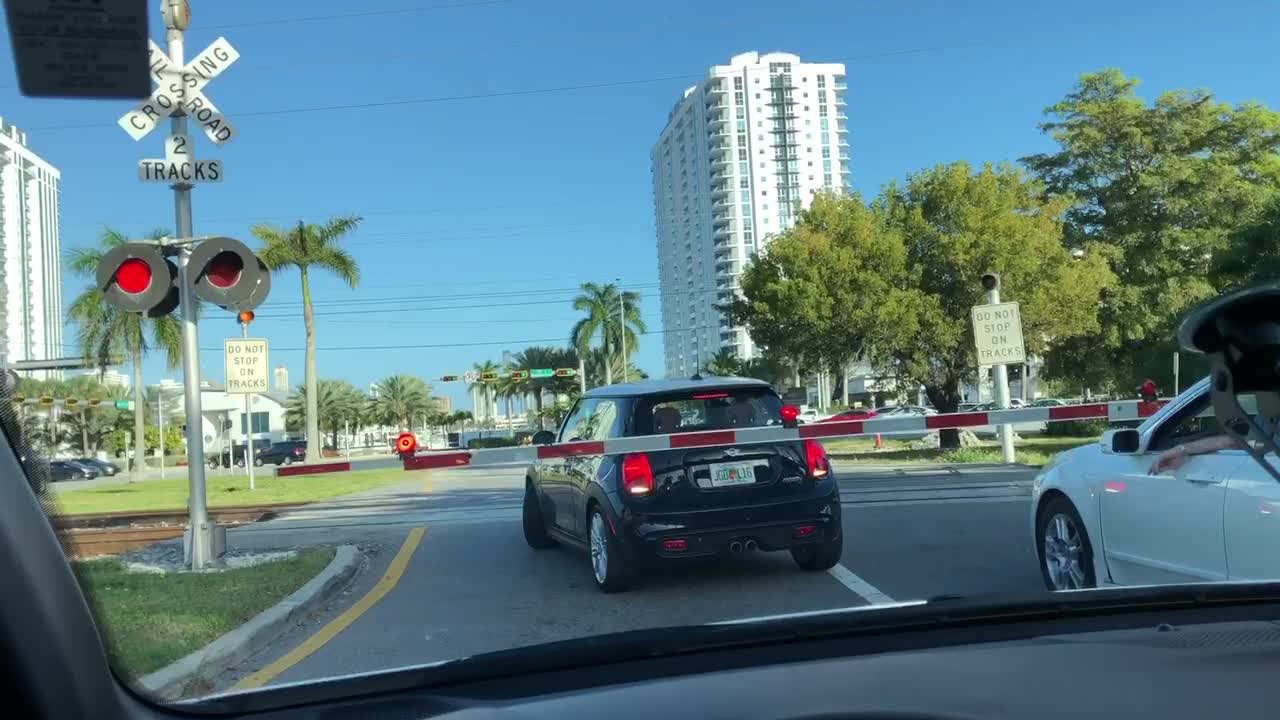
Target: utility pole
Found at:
160, 423
622, 320
176, 17
991, 283
1175, 375
244, 318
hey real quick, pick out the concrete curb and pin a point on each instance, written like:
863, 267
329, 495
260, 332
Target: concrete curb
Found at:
168, 682
870, 464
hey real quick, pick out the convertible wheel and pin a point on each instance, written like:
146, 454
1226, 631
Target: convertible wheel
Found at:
818, 556
608, 567
535, 529
1066, 557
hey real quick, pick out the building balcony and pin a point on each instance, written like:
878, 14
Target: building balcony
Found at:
717, 151
720, 190
717, 89
714, 106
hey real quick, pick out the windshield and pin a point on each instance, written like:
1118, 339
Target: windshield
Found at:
427, 316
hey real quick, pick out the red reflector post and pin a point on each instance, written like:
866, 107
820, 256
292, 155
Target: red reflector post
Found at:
675, 545
406, 443
803, 531
637, 476
133, 276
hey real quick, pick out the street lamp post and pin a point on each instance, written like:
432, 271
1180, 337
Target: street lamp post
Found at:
622, 321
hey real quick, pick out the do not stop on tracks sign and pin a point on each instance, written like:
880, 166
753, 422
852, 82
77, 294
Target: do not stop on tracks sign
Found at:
997, 332
246, 360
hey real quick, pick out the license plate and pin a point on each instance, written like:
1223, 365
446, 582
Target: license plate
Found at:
729, 474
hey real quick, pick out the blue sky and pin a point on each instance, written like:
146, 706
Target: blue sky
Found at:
485, 212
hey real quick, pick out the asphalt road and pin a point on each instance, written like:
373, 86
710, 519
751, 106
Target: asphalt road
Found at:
471, 584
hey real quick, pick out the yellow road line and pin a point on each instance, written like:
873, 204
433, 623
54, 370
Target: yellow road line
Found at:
340, 623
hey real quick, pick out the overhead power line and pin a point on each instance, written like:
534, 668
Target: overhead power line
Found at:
505, 93
431, 346
354, 15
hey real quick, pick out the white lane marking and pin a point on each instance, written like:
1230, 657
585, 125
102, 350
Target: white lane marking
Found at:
860, 587
815, 613
936, 501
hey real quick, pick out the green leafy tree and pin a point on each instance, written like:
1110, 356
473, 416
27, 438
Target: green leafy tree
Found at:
173, 439
1161, 191
835, 286
1253, 253
105, 333
400, 399
87, 422
767, 368
338, 402
310, 247
957, 224
603, 320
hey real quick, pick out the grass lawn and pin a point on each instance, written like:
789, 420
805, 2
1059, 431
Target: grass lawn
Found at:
150, 620
1032, 450
171, 494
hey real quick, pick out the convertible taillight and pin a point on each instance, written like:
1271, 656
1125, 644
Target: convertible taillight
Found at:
816, 458
637, 475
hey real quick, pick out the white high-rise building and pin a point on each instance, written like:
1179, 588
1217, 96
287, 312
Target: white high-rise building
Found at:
742, 152
30, 277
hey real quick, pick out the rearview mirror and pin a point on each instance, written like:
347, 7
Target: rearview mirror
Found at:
544, 437
1122, 441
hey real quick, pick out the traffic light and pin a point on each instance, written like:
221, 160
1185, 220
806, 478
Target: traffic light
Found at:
486, 376
519, 375
450, 378
225, 272
565, 372
137, 277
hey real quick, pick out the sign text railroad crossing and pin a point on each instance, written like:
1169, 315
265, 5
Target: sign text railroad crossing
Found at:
180, 89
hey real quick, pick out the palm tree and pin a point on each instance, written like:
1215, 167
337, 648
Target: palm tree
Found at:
400, 399
305, 247
603, 310
105, 333
724, 362
484, 389
337, 402
545, 357
597, 369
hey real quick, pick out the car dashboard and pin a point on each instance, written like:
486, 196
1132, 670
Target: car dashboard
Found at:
1128, 666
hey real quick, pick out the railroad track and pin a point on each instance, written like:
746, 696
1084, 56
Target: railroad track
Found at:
96, 534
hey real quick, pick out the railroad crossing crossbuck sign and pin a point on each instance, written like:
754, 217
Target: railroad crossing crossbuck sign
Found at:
181, 88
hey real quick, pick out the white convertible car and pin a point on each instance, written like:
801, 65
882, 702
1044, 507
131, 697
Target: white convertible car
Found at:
1099, 518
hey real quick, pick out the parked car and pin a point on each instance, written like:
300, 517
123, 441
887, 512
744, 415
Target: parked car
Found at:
224, 458
286, 452
631, 510
60, 470
103, 467
851, 414
1099, 517
1048, 402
